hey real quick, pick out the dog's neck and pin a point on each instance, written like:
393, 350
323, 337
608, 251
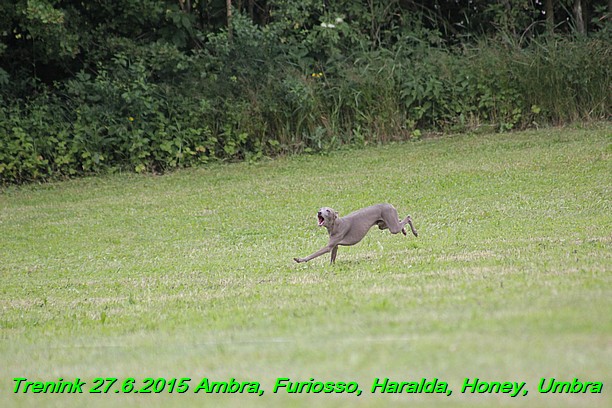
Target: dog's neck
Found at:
331, 226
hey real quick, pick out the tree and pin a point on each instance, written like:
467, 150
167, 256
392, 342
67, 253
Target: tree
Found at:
229, 20
579, 17
550, 15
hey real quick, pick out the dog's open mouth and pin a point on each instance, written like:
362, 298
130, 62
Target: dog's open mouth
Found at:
321, 219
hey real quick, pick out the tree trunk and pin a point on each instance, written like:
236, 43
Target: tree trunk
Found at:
579, 17
252, 10
185, 5
550, 15
229, 19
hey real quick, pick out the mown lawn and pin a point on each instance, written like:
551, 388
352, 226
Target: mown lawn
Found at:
191, 275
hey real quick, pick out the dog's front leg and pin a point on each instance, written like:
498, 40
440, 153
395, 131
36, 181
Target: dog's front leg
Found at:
320, 252
333, 255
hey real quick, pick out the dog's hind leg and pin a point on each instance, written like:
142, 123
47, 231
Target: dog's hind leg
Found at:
390, 220
408, 221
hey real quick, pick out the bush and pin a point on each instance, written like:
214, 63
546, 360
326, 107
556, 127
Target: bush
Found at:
152, 107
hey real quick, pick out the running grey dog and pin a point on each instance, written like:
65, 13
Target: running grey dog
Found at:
351, 229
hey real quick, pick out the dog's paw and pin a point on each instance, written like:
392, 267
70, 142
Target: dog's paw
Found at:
298, 260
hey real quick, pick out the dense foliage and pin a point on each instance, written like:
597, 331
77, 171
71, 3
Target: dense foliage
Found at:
150, 85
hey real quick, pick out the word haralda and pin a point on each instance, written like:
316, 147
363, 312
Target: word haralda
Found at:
424, 386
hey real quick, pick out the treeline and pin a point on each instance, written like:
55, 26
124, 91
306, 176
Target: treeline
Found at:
151, 85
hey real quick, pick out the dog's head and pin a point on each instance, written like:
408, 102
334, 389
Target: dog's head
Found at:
326, 217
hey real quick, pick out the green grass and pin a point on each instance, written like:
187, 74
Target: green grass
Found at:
191, 275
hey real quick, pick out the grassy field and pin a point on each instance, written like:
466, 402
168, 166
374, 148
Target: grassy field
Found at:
191, 275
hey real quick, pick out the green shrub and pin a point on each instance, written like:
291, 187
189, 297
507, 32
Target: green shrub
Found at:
152, 108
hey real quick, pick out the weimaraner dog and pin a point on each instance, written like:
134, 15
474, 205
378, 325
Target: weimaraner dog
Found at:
351, 229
